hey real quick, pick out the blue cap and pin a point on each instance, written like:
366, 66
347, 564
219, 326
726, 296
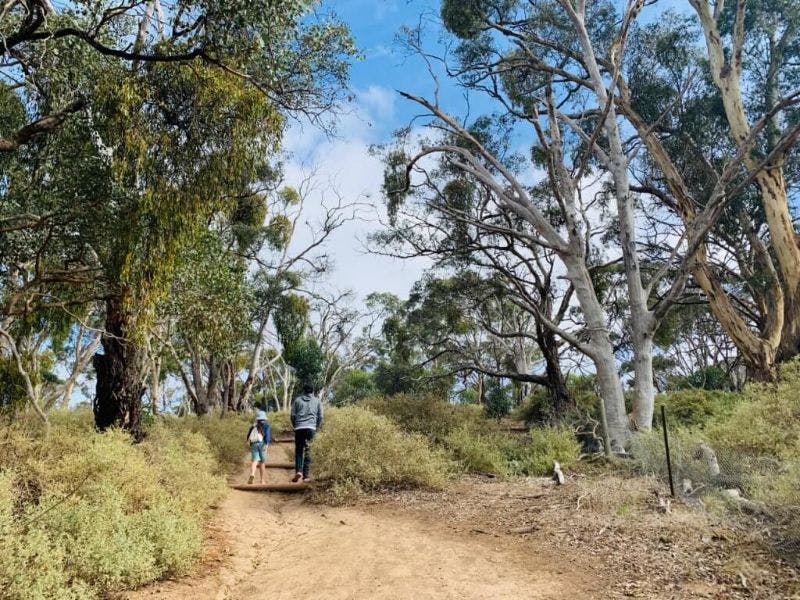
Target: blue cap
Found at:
261, 415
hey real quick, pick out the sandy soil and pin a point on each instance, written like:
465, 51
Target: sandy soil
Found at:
278, 546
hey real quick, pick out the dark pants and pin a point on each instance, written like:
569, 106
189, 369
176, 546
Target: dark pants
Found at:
302, 453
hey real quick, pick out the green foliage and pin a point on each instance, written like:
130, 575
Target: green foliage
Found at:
549, 444
537, 407
477, 451
306, 358
12, 386
225, 435
464, 17
649, 457
360, 450
755, 439
427, 415
498, 399
279, 232
395, 182
85, 514
210, 299
280, 421
708, 378
763, 424
353, 386
695, 407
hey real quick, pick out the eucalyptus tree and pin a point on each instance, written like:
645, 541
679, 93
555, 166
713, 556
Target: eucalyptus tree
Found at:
737, 97
558, 67
295, 67
239, 307
480, 328
180, 112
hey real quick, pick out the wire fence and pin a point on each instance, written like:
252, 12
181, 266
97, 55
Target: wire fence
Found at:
763, 491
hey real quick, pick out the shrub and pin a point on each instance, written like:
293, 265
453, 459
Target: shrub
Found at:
427, 415
84, 514
477, 452
695, 407
225, 434
358, 449
537, 408
649, 458
549, 444
761, 439
187, 466
280, 421
32, 563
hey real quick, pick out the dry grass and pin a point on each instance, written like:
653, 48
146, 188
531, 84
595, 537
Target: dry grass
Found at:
609, 526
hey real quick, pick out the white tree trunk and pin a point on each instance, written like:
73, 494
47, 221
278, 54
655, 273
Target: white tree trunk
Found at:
608, 382
644, 401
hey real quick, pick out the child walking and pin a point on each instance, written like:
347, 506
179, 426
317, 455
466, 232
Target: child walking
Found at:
258, 438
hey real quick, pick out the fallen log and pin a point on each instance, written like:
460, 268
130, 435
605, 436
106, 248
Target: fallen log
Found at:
754, 508
286, 488
526, 529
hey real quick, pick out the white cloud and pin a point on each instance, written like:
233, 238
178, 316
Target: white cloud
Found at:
345, 165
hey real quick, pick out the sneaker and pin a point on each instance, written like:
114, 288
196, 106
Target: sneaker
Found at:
296, 477
250, 479
306, 479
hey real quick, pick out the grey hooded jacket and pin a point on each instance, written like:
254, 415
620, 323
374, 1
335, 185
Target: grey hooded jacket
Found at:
306, 412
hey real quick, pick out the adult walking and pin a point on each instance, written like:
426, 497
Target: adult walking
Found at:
306, 419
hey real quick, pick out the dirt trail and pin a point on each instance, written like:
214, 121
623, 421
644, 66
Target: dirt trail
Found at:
280, 547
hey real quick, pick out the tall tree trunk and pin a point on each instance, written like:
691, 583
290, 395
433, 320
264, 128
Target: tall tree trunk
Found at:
246, 392
726, 71
556, 385
155, 383
120, 371
229, 400
602, 353
644, 403
481, 385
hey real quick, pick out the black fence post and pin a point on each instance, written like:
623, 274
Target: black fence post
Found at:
666, 447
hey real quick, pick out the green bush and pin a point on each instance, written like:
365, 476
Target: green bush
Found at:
549, 444
756, 440
537, 408
761, 438
355, 385
498, 399
225, 434
83, 514
477, 452
360, 450
427, 415
695, 407
280, 421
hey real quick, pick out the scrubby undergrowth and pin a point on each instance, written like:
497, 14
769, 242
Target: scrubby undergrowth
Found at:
84, 514
409, 441
756, 441
360, 451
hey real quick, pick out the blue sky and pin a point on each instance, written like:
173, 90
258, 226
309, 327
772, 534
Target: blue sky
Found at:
344, 162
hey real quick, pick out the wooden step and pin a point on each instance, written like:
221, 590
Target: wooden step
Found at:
279, 465
272, 487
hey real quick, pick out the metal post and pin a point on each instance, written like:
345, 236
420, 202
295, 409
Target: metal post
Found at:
666, 447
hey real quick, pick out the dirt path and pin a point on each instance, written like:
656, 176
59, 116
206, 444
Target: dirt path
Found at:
280, 547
